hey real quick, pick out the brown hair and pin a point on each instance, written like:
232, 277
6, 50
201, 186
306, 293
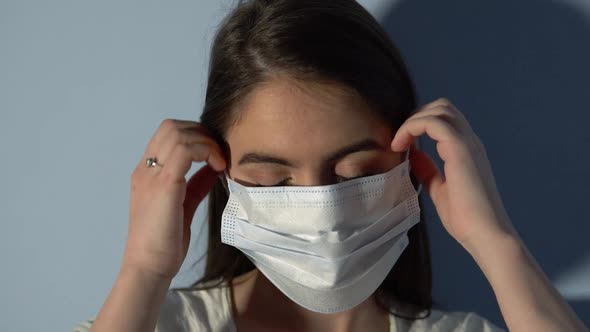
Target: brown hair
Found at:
336, 41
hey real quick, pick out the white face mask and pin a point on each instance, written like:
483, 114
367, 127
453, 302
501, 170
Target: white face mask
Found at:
329, 247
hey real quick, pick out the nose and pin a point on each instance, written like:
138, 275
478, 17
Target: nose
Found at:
315, 178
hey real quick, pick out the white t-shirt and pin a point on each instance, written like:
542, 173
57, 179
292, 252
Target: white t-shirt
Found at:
211, 310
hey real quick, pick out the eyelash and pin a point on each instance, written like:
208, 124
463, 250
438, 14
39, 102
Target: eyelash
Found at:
338, 180
342, 178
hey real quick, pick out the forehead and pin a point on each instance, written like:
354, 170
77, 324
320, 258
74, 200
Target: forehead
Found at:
302, 118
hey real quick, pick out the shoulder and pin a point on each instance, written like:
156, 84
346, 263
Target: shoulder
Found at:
83, 326
204, 307
448, 321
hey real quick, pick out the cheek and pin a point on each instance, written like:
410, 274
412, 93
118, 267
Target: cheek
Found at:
369, 165
392, 159
387, 161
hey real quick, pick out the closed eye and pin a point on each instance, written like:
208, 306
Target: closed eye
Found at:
285, 182
342, 178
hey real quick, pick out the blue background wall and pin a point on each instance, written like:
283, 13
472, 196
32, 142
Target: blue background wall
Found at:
83, 86
520, 71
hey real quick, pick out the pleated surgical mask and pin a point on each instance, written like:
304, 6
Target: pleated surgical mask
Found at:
329, 247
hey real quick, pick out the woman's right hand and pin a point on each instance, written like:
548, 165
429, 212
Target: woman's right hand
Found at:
163, 203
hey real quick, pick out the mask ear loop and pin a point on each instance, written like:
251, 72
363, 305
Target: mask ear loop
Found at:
222, 178
419, 189
409, 168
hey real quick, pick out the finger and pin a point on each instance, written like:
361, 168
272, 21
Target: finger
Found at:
211, 154
434, 104
439, 102
172, 131
447, 112
216, 158
434, 127
427, 173
180, 160
181, 124
166, 127
198, 186
190, 137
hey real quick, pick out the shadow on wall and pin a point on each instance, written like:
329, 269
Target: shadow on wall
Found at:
520, 71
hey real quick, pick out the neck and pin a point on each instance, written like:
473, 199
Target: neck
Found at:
258, 304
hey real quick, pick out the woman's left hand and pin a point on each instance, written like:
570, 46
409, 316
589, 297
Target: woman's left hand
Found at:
465, 197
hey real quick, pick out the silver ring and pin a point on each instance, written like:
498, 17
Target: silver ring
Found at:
152, 162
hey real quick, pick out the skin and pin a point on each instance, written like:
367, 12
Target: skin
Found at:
266, 148
278, 120
270, 143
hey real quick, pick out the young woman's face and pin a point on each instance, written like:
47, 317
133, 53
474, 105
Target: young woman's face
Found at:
307, 134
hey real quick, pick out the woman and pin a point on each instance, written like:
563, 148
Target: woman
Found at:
309, 119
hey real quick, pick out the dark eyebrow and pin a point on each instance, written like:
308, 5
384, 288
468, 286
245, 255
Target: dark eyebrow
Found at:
262, 158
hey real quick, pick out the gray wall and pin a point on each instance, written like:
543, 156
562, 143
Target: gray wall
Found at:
83, 86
